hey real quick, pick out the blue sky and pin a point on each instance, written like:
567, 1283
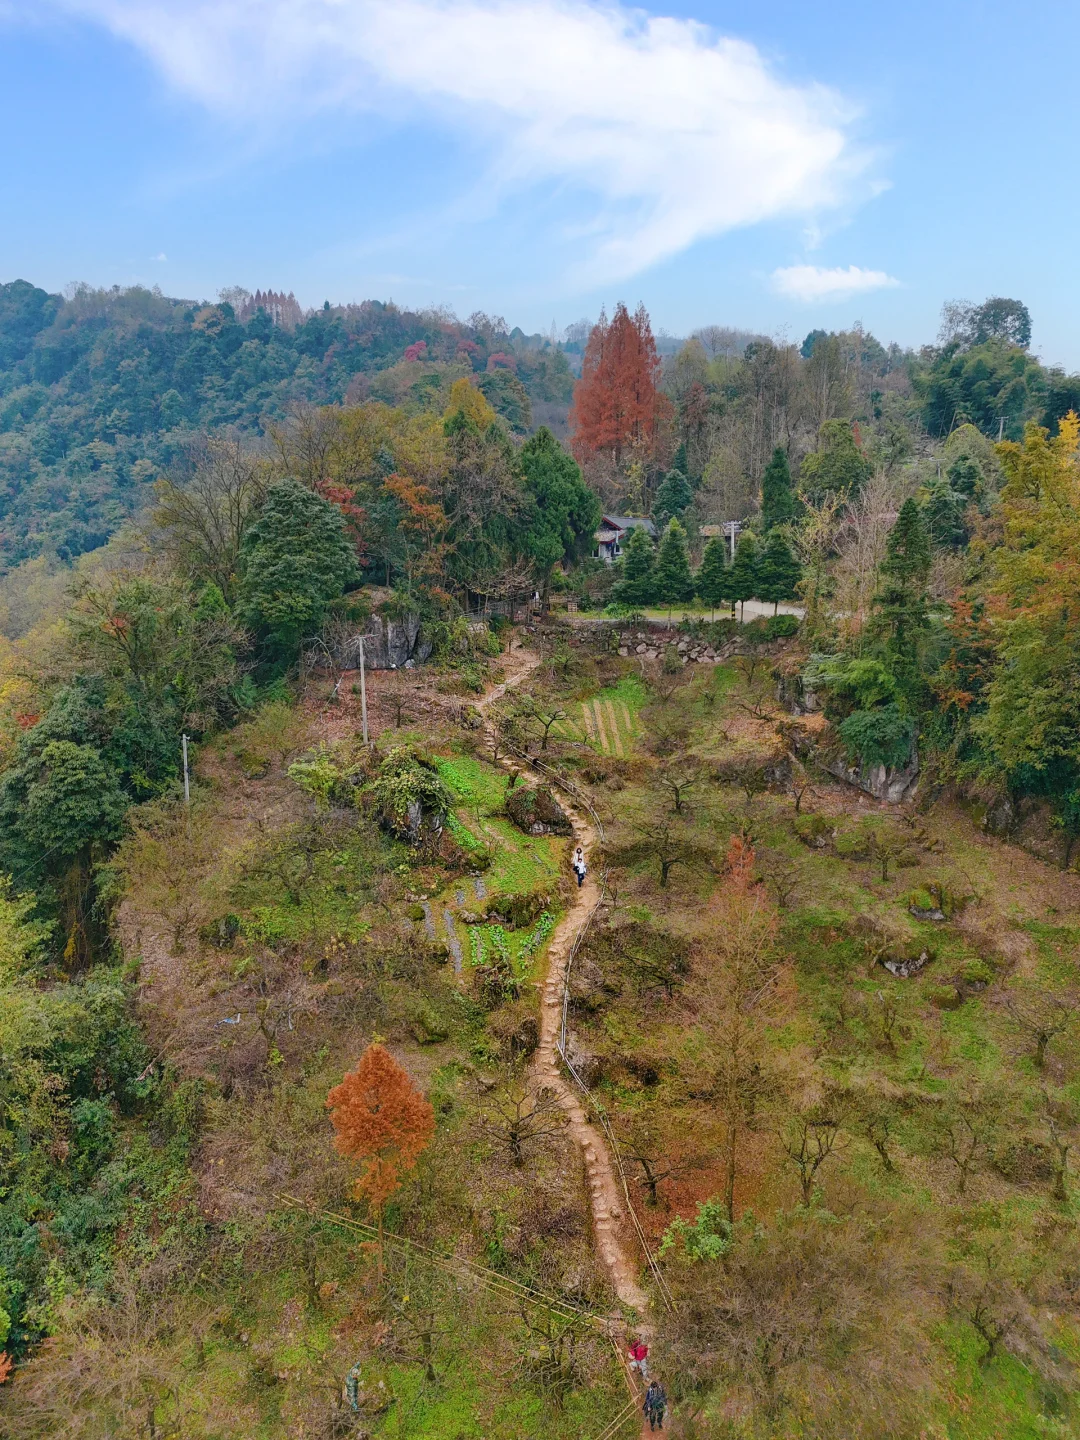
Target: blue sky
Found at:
778, 166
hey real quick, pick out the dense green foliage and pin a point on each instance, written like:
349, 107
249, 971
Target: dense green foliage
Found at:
636, 585
777, 500
712, 577
73, 1075
101, 391
564, 511
672, 582
294, 560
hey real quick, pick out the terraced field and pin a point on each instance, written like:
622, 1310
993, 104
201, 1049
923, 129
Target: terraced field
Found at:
522, 865
608, 721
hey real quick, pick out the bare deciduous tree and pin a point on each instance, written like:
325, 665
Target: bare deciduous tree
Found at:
963, 1132
677, 778
732, 986
203, 511
518, 1116
809, 1139
1042, 1016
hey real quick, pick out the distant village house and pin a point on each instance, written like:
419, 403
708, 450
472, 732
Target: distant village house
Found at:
613, 531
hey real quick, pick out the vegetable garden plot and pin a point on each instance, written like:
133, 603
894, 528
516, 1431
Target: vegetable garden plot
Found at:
608, 721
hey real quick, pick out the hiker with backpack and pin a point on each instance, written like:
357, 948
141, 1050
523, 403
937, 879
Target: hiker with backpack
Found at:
655, 1405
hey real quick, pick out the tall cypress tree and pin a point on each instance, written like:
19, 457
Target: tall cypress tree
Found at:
777, 501
743, 578
638, 584
674, 583
712, 578
673, 498
778, 571
900, 603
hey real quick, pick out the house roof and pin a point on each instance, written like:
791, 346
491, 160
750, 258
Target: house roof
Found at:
628, 522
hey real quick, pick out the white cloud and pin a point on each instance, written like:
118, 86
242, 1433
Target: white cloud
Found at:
817, 282
663, 132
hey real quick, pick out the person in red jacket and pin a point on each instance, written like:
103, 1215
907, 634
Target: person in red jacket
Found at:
639, 1358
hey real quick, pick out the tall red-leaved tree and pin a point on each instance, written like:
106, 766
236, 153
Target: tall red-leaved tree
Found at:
618, 407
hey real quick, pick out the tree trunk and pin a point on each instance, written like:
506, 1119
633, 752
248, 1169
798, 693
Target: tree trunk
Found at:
729, 1186
309, 1272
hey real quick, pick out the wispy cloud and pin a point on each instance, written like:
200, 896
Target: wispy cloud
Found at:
816, 282
663, 131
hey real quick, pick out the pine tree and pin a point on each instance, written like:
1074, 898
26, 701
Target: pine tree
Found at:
712, 579
778, 571
673, 498
743, 579
900, 601
777, 501
564, 512
637, 586
673, 581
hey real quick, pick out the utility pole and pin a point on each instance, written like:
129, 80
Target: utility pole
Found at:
363, 690
187, 782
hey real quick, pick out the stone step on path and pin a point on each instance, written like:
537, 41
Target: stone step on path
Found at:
452, 941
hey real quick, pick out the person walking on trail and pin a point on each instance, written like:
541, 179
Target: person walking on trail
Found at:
639, 1358
655, 1405
580, 868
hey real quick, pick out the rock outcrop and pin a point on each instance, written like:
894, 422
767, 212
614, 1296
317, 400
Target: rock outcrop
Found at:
894, 786
388, 645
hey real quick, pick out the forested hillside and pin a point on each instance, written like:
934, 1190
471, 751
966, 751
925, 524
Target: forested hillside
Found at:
102, 391
681, 949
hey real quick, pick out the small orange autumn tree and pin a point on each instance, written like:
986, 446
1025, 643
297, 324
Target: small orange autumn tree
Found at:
381, 1119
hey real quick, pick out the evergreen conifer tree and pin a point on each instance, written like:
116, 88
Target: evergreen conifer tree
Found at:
674, 584
778, 571
900, 601
712, 578
673, 498
743, 578
638, 585
777, 501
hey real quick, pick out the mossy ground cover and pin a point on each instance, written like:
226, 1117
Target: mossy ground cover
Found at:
519, 866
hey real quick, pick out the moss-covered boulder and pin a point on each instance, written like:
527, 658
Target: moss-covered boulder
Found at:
537, 812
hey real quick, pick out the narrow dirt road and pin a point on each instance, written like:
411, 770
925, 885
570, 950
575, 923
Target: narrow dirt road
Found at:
605, 1192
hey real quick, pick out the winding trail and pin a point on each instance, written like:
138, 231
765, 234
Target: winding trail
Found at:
605, 1196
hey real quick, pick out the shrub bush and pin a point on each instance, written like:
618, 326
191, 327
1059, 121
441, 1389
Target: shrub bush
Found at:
878, 737
781, 627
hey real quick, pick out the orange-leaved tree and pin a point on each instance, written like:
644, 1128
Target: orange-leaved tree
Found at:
618, 406
383, 1120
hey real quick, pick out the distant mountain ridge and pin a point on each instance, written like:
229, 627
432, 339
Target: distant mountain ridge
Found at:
102, 389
